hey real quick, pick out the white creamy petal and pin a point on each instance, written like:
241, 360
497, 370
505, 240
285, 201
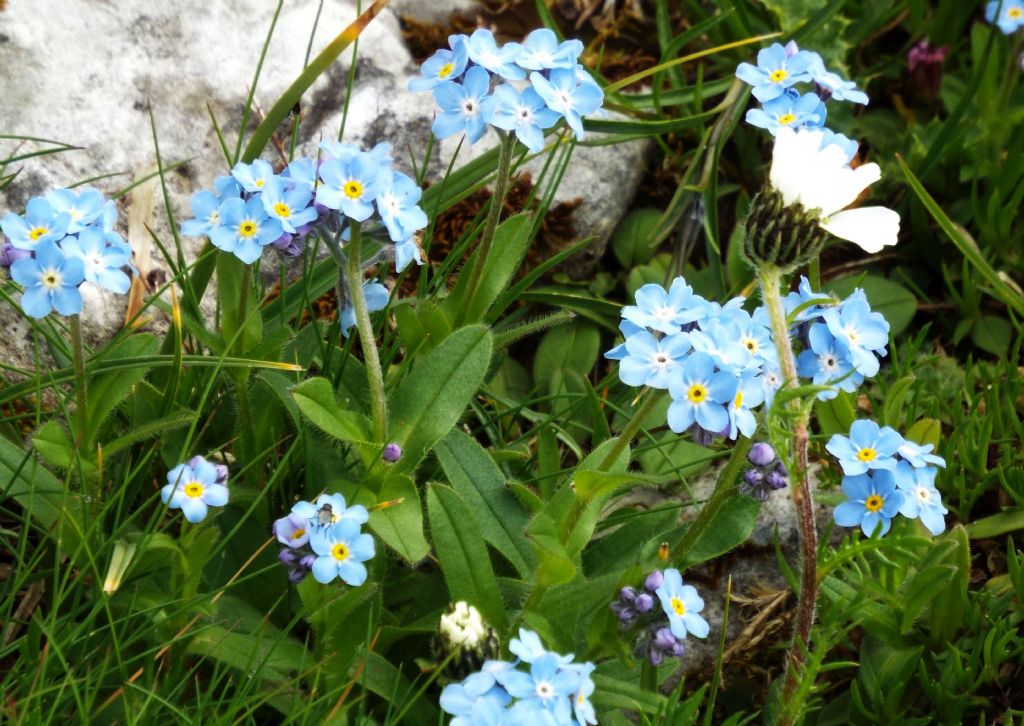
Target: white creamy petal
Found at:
787, 162
871, 228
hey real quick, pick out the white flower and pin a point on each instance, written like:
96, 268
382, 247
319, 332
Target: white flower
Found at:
463, 627
819, 179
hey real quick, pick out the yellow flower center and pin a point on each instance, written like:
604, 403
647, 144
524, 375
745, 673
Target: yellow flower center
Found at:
677, 606
1015, 13
750, 344
36, 233
247, 228
873, 503
446, 70
259, 183
282, 210
787, 118
340, 552
867, 454
778, 76
738, 401
353, 189
193, 489
298, 534
51, 279
697, 393
580, 698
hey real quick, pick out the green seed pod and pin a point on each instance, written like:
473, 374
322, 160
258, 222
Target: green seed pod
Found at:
785, 236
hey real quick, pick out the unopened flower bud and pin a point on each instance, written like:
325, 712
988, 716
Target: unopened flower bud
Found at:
664, 639
627, 594
761, 454
464, 633
776, 480
653, 581
654, 656
781, 235
644, 603
791, 49
392, 453
753, 477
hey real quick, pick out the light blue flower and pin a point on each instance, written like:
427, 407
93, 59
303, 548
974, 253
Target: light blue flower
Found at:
868, 446
405, 252
565, 95
245, 229
226, 187
526, 114
1011, 17
861, 331
83, 208
749, 394
461, 105
470, 701
698, 393
873, 500
527, 647
341, 551
380, 154
827, 363
349, 184
205, 212
41, 223
377, 298
771, 382
301, 173
291, 207
722, 342
253, 177
542, 51
329, 509
292, 530
653, 362
546, 689
664, 311
920, 497
775, 71
103, 263
51, 281
800, 299
444, 65
754, 334
484, 680
484, 51
627, 328
834, 84
398, 204
582, 708
917, 455
193, 489
849, 146
786, 111
682, 604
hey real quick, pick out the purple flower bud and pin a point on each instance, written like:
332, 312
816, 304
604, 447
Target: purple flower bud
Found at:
627, 616
392, 453
776, 480
296, 575
664, 639
678, 649
307, 561
289, 557
653, 581
9, 254
627, 594
222, 473
924, 61
644, 603
753, 477
654, 656
791, 49
761, 454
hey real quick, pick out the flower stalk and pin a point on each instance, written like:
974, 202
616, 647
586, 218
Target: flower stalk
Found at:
78, 353
770, 280
375, 378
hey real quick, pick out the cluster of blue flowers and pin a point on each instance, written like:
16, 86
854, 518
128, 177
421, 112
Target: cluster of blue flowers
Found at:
779, 68
661, 631
65, 238
194, 487
886, 475
1008, 15
474, 82
325, 538
554, 690
254, 208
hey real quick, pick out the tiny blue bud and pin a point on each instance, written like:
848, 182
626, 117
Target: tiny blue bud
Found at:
761, 454
392, 453
644, 603
627, 594
653, 581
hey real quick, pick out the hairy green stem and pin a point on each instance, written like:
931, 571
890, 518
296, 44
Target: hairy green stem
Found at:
501, 184
78, 351
375, 378
241, 376
626, 437
770, 280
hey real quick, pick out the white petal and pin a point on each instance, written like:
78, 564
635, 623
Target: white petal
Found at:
790, 158
872, 228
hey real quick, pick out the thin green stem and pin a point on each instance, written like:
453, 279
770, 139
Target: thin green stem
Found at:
632, 428
814, 272
375, 378
770, 280
78, 351
501, 185
241, 377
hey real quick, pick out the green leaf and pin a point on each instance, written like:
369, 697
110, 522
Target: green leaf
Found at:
107, 390
1009, 520
429, 401
400, 526
730, 526
422, 325
572, 347
234, 282
155, 428
895, 302
461, 550
381, 677
633, 241
480, 483
263, 654
923, 589
992, 334
53, 444
893, 409
315, 398
947, 612
925, 431
511, 241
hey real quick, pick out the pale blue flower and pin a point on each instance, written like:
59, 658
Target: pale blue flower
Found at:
827, 363
405, 252
873, 501
291, 207
917, 455
582, 708
834, 84
1011, 16
565, 95
41, 223
329, 509
462, 105
653, 362
546, 689
526, 114
682, 604
804, 295
398, 204
51, 281
341, 551
861, 331
377, 298
722, 342
664, 311
82, 207
469, 700
771, 382
205, 214
193, 489
627, 328
253, 177
920, 497
444, 65
868, 446
698, 393
103, 262
786, 111
349, 184
775, 71
245, 229
484, 51
849, 146
542, 51
527, 647
302, 174
292, 530
749, 394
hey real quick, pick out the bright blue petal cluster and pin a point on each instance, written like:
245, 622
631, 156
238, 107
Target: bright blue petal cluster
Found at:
682, 605
324, 537
551, 689
194, 487
255, 208
472, 82
777, 71
886, 475
65, 238
1011, 15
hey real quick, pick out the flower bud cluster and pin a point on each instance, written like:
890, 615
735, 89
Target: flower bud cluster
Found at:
766, 473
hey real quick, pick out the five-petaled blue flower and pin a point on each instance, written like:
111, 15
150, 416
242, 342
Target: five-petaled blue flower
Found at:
329, 509
749, 393
41, 223
194, 489
443, 66
83, 207
103, 262
827, 363
473, 702
787, 111
698, 393
377, 297
1011, 16
205, 212
834, 84
292, 530
524, 113
664, 311
398, 204
51, 281
565, 95
462, 105
873, 500
917, 455
349, 184
484, 51
542, 51
920, 497
682, 604
862, 332
245, 229
290, 207
253, 177
652, 362
868, 447
341, 551
545, 690
775, 71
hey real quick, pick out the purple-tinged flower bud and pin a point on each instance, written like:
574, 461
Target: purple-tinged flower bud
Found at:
644, 603
392, 453
753, 477
289, 557
776, 480
678, 649
9, 254
296, 575
654, 656
653, 581
924, 61
307, 561
627, 615
664, 639
791, 49
761, 454
222, 473
627, 594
